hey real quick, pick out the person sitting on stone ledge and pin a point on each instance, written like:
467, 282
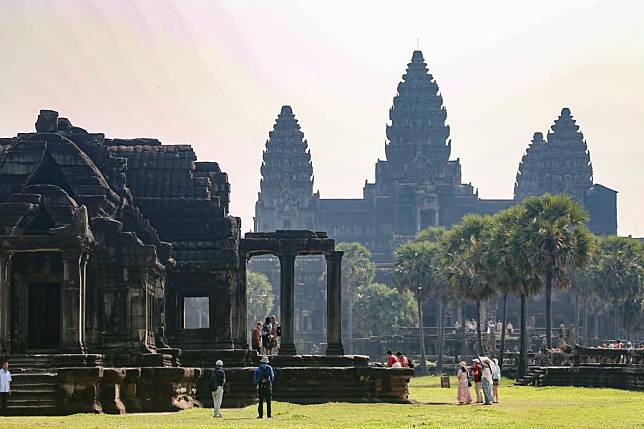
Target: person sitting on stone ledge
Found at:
392, 361
404, 360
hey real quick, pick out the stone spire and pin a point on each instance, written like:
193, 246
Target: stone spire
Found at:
560, 165
286, 187
418, 133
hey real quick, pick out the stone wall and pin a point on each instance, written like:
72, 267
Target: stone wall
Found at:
314, 385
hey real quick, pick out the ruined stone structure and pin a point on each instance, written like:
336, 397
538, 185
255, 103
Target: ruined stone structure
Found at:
105, 242
119, 264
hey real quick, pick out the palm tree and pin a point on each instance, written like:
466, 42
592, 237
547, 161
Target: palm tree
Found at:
500, 255
617, 274
465, 263
557, 241
417, 265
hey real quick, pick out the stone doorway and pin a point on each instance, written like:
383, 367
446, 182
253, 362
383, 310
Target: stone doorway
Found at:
43, 327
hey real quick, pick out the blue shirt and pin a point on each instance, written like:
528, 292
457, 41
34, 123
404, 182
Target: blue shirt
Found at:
260, 369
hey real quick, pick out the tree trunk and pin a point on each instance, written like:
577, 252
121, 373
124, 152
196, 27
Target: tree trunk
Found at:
523, 346
349, 341
463, 332
576, 339
596, 323
478, 327
586, 328
549, 309
441, 335
505, 322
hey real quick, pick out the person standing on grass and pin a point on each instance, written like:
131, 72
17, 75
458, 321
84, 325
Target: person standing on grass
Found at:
463, 394
486, 377
217, 381
496, 379
476, 375
263, 379
5, 387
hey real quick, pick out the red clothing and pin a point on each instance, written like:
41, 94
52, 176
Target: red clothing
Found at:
476, 372
257, 337
404, 361
391, 360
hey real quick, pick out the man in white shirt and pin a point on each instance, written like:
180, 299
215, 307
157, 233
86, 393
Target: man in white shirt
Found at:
5, 387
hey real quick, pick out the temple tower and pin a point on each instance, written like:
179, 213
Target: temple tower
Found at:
286, 199
559, 165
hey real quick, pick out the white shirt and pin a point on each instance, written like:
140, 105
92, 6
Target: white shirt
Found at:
5, 379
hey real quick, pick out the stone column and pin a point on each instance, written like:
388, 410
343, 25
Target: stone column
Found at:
287, 304
242, 328
334, 303
5, 305
73, 303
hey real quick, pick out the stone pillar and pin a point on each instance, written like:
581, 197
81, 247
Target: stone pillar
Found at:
5, 306
334, 303
242, 303
73, 303
287, 304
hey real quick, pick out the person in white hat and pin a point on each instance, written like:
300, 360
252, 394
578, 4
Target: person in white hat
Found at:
263, 379
217, 381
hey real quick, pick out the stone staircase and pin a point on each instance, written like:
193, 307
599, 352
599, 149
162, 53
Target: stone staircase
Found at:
533, 377
34, 389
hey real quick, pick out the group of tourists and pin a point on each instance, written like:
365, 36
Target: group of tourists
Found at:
262, 378
485, 373
470, 326
398, 360
265, 336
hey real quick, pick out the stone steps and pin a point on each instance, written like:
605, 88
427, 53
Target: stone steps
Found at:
34, 394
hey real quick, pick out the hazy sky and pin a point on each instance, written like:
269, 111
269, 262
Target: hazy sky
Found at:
214, 74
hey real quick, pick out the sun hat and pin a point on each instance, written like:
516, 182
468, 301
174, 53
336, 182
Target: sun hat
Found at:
463, 364
219, 364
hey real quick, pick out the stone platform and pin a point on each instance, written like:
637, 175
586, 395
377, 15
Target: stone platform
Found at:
314, 385
630, 377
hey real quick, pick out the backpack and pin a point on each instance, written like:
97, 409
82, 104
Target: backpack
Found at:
264, 378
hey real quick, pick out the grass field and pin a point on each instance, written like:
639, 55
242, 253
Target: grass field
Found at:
520, 407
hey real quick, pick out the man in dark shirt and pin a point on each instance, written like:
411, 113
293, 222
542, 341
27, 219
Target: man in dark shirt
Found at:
263, 379
217, 381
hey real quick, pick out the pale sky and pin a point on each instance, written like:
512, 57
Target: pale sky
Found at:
214, 74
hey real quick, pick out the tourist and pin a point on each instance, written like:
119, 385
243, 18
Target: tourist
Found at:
457, 325
217, 381
611, 345
5, 387
463, 394
486, 378
256, 338
276, 331
392, 360
267, 339
496, 379
404, 361
618, 344
499, 327
476, 375
263, 379
509, 328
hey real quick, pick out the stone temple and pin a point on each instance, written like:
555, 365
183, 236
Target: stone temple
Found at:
122, 277
416, 186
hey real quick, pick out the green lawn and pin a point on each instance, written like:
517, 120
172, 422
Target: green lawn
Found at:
520, 407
